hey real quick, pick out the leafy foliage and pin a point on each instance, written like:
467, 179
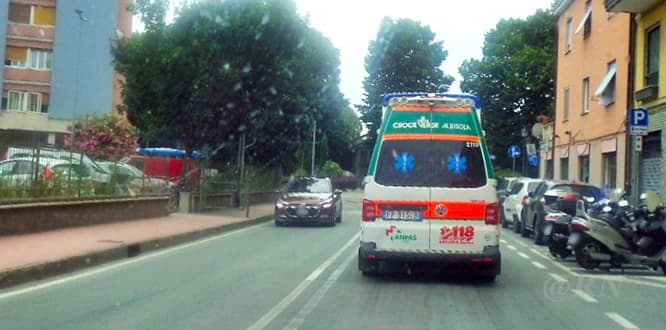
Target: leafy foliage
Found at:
106, 138
515, 79
403, 57
330, 169
226, 69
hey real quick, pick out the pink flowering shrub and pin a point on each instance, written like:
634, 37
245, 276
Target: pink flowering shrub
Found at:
106, 138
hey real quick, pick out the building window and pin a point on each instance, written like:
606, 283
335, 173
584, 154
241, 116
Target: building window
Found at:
610, 169
569, 34
19, 13
567, 100
16, 56
39, 59
584, 168
586, 22
28, 58
652, 68
564, 168
24, 101
549, 169
586, 95
36, 15
607, 87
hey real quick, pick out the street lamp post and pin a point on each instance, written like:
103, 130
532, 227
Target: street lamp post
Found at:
523, 133
82, 19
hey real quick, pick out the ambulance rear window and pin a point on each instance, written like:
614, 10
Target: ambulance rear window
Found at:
438, 163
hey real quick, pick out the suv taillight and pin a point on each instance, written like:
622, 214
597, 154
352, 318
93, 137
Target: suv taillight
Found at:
492, 214
369, 209
525, 198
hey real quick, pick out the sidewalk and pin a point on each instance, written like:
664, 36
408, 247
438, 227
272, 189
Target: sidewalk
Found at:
25, 258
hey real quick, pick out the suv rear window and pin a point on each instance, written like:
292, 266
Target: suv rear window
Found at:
431, 163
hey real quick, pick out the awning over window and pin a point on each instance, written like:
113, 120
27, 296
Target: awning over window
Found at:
564, 152
612, 69
583, 149
608, 145
16, 54
587, 15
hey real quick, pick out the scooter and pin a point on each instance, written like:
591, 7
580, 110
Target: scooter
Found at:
611, 238
556, 229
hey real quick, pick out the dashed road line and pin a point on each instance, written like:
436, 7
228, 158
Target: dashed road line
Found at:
314, 301
503, 241
558, 278
538, 265
521, 244
622, 321
267, 318
584, 296
512, 248
523, 255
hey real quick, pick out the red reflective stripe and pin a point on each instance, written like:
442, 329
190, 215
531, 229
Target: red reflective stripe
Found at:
453, 210
434, 136
407, 108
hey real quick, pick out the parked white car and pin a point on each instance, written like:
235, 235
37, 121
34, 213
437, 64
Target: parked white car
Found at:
132, 181
514, 201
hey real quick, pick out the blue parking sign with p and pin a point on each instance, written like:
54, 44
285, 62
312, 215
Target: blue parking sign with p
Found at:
639, 117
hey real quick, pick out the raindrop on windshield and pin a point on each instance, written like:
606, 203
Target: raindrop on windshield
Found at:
247, 68
237, 86
265, 19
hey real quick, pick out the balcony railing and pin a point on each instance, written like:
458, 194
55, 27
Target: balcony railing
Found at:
630, 6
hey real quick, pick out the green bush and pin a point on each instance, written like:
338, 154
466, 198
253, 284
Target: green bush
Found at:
330, 169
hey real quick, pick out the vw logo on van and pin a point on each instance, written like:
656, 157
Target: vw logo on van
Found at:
440, 209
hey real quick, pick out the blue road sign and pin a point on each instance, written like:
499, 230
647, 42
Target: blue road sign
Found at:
514, 151
533, 160
639, 121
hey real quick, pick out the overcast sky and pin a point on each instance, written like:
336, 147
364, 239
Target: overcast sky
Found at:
352, 24
462, 24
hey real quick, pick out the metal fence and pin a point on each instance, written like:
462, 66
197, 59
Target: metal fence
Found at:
53, 173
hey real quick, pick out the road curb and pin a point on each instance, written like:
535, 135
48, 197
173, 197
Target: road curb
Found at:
23, 275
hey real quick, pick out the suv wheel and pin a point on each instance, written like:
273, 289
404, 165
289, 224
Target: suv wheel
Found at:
524, 232
538, 233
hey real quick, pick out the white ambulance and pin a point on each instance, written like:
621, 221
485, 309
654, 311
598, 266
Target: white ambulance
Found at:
431, 194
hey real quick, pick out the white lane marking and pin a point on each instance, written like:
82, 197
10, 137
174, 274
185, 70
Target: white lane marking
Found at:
512, 248
654, 278
558, 278
537, 253
314, 301
286, 301
523, 255
538, 265
622, 321
521, 244
120, 264
502, 241
584, 296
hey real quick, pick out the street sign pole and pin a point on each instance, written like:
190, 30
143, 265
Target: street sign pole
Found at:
513, 168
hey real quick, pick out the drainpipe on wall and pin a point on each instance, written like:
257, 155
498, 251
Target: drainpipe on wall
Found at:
631, 172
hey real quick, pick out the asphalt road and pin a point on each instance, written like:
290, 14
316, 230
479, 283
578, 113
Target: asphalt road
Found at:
267, 277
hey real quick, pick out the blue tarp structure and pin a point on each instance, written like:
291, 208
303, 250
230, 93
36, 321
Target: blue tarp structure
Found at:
166, 152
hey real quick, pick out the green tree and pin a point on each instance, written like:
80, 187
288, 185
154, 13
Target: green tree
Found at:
403, 57
226, 69
515, 78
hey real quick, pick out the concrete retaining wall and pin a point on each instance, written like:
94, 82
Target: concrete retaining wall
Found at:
37, 217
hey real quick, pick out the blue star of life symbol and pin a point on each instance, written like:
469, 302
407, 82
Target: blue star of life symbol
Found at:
404, 163
457, 163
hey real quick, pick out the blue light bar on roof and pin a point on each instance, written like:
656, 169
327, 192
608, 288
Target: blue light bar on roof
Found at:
389, 96
166, 152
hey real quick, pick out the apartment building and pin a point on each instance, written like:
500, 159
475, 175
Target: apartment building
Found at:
649, 92
592, 100
58, 65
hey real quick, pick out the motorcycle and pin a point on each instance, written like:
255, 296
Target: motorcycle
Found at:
556, 229
614, 236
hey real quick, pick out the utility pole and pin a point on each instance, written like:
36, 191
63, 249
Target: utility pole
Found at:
314, 139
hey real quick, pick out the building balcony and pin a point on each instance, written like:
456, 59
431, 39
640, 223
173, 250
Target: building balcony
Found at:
630, 6
30, 32
28, 76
